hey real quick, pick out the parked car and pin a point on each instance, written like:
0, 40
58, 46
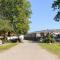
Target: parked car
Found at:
57, 38
15, 38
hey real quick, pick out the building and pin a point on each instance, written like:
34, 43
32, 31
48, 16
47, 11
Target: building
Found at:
38, 34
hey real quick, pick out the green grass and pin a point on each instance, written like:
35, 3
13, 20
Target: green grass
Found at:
54, 47
7, 46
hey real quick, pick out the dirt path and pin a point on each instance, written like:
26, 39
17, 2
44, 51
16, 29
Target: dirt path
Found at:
27, 51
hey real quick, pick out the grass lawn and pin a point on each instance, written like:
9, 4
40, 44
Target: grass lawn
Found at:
54, 47
7, 46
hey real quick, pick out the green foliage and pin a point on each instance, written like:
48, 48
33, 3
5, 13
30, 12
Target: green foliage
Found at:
5, 26
17, 12
56, 6
49, 38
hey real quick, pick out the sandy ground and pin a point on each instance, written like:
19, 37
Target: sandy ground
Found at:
27, 51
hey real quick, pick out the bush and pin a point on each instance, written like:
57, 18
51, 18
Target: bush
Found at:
47, 39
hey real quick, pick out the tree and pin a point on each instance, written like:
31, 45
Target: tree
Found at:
24, 16
49, 38
56, 6
17, 12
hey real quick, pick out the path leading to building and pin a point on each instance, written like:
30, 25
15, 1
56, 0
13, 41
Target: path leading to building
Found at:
27, 51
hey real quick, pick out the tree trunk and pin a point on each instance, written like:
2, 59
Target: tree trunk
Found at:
9, 34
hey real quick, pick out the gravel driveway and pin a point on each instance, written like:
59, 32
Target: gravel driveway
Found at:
27, 51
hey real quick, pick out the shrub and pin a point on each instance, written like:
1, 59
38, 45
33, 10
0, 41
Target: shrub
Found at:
49, 38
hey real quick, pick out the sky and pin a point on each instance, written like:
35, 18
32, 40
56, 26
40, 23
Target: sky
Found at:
42, 16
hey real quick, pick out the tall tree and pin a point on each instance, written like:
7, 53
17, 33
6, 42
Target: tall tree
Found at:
17, 12
25, 12
56, 6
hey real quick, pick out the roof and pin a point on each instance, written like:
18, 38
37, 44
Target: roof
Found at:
46, 31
